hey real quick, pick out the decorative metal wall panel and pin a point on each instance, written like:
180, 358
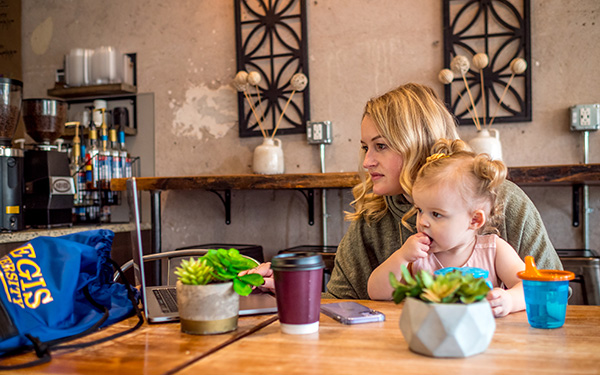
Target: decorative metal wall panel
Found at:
501, 29
271, 39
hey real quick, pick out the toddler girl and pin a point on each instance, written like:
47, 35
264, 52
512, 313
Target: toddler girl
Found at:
454, 198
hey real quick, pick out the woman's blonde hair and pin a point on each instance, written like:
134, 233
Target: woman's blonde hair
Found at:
411, 118
476, 177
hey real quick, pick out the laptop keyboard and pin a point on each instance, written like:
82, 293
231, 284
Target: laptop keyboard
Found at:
167, 299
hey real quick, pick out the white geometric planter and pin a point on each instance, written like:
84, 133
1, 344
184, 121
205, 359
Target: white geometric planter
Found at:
447, 330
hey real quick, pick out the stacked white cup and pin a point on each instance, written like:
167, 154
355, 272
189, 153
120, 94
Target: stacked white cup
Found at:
78, 67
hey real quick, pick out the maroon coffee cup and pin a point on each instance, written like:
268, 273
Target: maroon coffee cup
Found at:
298, 282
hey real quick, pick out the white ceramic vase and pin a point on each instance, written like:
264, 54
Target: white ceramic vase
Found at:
268, 157
207, 309
447, 329
487, 143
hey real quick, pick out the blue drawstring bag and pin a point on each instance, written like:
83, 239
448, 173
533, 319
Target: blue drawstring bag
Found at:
56, 289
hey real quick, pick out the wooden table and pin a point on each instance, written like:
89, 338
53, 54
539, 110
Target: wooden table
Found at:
379, 348
258, 347
152, 349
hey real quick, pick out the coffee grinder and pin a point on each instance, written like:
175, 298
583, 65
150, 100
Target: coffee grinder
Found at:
49, 187
11, 159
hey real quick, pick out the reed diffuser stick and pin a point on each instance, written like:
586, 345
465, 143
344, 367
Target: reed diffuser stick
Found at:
480, 61
282, 113
502, 98
298, 83
468, 109
446, 76
262, 110
240, 82
483, 97
476, 118
255, 114
254, 79
517, 66
460, 64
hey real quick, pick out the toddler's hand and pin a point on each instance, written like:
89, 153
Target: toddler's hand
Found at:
500, 301
416, 247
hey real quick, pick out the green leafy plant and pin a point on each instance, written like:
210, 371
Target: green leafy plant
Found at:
453, 287
220, 265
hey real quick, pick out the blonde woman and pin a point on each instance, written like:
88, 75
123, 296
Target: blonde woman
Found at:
398, 130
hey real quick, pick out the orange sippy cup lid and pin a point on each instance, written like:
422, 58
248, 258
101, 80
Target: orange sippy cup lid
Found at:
532, 273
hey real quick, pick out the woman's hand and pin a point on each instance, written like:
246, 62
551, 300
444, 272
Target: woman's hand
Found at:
264, 269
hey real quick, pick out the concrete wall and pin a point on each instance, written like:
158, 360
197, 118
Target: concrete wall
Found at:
357, 49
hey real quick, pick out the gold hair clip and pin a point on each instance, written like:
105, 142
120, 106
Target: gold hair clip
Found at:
436, 157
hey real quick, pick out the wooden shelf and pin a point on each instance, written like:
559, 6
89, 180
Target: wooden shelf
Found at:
543, 176
244, 182
94, 91
574, 174
546, 175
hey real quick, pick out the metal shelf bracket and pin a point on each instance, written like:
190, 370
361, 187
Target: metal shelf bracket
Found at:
309, 194
226, 199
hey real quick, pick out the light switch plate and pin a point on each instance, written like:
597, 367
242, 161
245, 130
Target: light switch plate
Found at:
318, 132
585, 117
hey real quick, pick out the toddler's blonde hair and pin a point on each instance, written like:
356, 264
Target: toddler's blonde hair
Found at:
476, 177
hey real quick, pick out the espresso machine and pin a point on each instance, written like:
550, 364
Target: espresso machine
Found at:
11, 159
49, 187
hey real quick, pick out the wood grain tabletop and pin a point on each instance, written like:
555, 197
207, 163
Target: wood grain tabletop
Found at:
258, 347
379, 348
152, 349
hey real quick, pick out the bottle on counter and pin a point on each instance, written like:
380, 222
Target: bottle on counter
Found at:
81, 178
105, 214
80, 216
125, 157
105, 166
75, 166
92, 213
92, 160
105, 156
117, 170
111, 197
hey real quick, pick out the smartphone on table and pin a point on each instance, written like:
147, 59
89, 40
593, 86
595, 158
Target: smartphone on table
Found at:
351, 313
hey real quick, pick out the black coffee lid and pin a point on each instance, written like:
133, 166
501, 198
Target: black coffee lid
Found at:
297, 261
11, 81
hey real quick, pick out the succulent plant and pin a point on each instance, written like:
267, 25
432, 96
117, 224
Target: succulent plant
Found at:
194, 272
220, 265
452, 287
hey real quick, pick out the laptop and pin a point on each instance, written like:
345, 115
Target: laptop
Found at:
160, 302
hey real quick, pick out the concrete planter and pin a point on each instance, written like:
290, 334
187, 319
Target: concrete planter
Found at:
207, 309
447, 330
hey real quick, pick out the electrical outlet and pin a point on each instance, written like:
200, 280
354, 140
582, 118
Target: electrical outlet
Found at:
318, 132
585, 117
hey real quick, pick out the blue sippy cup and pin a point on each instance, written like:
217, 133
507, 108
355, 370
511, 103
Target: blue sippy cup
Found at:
546, 294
